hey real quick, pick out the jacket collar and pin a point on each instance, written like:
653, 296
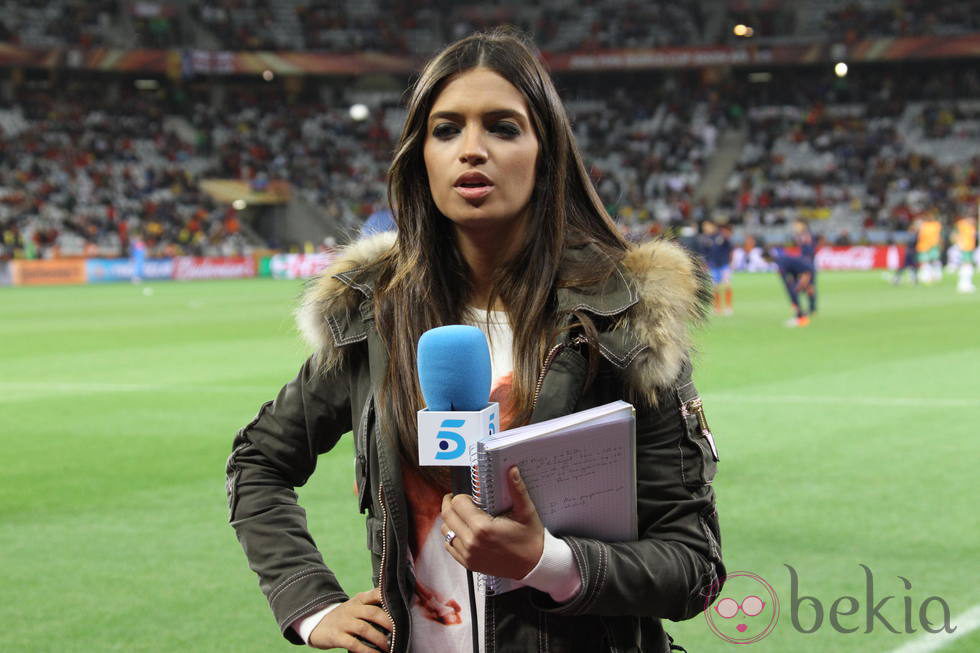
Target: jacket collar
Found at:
609, 297
658, 291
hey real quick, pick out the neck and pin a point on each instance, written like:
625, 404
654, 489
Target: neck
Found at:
485, 251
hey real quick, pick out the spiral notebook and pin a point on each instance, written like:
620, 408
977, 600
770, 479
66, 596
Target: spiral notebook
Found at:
580, 471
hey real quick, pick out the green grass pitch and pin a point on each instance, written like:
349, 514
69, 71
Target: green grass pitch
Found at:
850, 441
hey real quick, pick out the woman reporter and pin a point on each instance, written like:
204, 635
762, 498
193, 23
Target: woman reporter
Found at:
498, 226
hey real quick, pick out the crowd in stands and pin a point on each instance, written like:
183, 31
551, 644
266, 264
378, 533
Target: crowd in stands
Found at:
867, 157
157, 25
337, 164
85, 170
868, 19
83, 173
240, 24
55, 23
419, 27
647, 147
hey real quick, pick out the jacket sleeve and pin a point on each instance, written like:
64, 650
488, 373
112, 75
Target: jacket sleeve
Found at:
273, 454
674, 570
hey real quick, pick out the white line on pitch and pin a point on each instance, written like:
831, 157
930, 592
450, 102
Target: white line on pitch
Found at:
965, 624
909, 402
42, 387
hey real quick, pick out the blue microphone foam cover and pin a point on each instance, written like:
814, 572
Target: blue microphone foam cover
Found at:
454, 368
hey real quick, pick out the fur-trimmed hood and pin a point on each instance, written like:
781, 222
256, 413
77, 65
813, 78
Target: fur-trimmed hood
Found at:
657, 296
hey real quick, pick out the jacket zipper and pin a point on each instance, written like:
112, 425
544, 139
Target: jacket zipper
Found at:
549, 359
696, 407
384, 558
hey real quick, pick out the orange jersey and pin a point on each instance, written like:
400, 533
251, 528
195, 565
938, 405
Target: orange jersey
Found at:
966, 235
930, 232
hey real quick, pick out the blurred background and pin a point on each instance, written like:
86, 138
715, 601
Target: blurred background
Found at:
237, 144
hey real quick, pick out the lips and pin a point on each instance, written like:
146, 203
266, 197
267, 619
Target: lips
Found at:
473, 178
473, 185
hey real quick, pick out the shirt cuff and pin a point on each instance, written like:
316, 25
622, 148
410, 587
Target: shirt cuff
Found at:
556, 572
305, 625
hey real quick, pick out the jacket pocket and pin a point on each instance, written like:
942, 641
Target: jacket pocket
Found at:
699, 455
375, 545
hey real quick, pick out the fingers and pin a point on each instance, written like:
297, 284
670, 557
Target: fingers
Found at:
354, 625
371, 596
523, 510
376, 615
462, 505
354, 645
369, 633
456, 554
453, 520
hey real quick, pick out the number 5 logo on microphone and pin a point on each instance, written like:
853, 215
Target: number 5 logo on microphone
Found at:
446, 438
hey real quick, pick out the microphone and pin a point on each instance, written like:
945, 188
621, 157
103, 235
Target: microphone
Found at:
454, 373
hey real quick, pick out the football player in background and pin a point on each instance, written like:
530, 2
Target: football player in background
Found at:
717, 249
965, 238
928, 240
797, 274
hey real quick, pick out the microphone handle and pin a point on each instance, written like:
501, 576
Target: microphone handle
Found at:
462, 485
462, 481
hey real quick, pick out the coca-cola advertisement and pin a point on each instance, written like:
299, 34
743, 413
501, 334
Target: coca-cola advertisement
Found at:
212, 267
871, 257
299, 266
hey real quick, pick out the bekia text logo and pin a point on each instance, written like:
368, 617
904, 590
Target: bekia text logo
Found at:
449, 438
745, 611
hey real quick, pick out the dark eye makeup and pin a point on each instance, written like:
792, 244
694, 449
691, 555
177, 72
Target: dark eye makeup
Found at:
446, 130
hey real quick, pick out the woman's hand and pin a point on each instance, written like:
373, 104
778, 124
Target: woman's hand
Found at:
508, 545
352, 619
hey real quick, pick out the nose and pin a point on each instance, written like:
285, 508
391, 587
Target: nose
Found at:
473, 149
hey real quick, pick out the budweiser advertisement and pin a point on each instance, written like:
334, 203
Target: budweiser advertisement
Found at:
213, 267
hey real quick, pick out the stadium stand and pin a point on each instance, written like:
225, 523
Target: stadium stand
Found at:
857, 20
421, 27
84, 163
157, 25
865, 156
79, 162
57, 22
82, 171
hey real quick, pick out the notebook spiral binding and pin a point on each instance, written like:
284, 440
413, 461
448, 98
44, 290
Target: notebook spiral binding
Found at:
484, 497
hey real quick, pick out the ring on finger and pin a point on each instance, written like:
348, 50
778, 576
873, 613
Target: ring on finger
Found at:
450, 536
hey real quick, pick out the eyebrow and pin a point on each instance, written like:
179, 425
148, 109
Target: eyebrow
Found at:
492, 114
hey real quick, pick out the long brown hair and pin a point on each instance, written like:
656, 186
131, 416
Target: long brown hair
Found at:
424, 282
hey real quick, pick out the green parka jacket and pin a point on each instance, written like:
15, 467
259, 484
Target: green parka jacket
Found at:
673, 571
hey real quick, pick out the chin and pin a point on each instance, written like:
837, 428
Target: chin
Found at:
477, 219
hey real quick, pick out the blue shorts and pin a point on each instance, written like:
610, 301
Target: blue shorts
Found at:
721, 275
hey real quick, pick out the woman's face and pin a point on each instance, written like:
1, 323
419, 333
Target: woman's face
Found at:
481, 151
